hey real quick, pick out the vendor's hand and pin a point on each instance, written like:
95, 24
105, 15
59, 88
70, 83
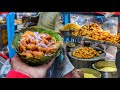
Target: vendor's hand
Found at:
33, 72
77, 73
26, 19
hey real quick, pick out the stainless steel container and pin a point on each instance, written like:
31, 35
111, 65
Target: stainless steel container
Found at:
106, 74
84, 63
81, 64
66, 33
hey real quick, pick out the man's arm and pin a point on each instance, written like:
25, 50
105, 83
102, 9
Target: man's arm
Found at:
58, 22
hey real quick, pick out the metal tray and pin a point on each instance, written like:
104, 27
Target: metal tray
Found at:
96, 41
66, 33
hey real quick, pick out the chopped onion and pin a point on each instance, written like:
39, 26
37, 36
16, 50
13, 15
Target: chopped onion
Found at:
40, 38
37, 41
31, 38
47, 54
44, 35
42, 45
38, 44
27, 51
22, 39
36, 35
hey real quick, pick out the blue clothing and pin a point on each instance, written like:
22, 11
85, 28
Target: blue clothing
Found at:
60, 67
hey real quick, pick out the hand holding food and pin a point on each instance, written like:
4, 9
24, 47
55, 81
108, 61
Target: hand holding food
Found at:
37, 46
33, 72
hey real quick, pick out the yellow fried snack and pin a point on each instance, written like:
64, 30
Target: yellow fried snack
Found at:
27, 54
86, 30
94, 31
70, 26
33, 41
37, 55
28, 33
45, 41
40, 48
22, 49
85, 53
31, 47
49, 50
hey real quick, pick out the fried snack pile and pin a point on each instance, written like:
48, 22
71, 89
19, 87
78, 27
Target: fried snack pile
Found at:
70, 26
85, 53
35, 45
94, 32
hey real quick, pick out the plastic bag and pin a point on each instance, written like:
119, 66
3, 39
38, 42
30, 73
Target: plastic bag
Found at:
5, 69
109, 25
109, 57
108, 14
80, 20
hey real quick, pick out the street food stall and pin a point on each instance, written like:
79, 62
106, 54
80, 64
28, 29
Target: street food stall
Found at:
91, 40
83, 39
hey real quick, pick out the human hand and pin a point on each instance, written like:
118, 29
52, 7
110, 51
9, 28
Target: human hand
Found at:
26, 19
77, 73
33, 72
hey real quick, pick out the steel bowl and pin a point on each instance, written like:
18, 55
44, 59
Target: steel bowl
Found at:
106, 74
85, 63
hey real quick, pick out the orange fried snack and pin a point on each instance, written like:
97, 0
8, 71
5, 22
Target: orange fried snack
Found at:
37, 55
85, 53
35, 45
27, 55
94, 31
31, 47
